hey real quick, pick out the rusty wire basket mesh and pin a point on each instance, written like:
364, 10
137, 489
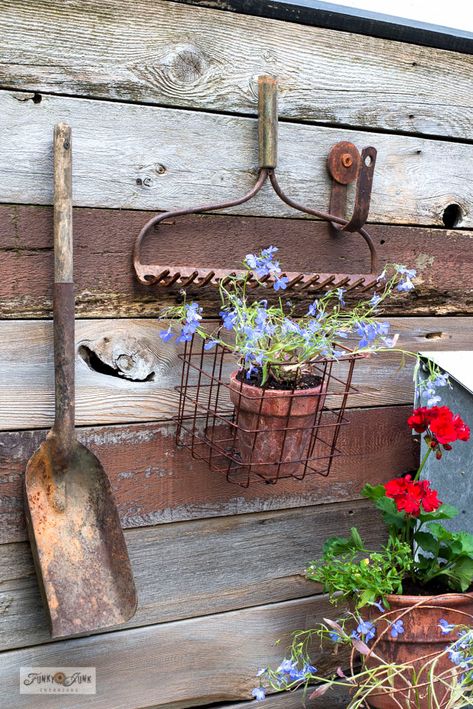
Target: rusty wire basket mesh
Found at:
261, 434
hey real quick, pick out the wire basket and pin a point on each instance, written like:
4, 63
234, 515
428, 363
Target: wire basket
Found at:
252, 433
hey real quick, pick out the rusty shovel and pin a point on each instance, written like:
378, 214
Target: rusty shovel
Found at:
76, 537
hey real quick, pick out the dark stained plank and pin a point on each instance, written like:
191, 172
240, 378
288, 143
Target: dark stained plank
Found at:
154, 482
174, 55
106, 285
183, 664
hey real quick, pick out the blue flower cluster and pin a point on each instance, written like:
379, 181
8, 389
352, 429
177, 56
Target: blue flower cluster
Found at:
372, 332
365, 631
191, 319
429, 391
287, 673
404, 283
264, 264
460, 651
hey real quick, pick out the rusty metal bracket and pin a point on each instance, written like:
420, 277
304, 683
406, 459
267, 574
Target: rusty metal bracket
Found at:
345, 165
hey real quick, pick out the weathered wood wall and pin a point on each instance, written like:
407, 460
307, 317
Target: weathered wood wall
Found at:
161, 99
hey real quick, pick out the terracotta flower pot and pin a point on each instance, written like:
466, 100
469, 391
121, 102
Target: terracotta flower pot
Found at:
422, 638
262, 419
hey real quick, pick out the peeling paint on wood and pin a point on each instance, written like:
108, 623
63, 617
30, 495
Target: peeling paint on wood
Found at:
153, 482
106, 285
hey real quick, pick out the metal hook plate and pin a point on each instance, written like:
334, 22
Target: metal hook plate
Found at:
345, 165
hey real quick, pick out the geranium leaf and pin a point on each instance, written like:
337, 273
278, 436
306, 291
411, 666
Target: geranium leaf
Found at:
427, 542
443, 512
373, 492
391, 515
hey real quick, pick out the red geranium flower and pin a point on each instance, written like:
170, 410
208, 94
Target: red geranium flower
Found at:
420, 419
442, 425
411, 496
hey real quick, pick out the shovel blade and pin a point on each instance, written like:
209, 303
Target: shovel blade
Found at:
77, 542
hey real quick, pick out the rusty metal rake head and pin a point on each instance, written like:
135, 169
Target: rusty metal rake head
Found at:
345, 165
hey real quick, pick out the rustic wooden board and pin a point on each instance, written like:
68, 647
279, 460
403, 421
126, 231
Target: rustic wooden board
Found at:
191, 662
190, 569
106, 285
335, 697
198, 58
144, 157
133, 348
155, 482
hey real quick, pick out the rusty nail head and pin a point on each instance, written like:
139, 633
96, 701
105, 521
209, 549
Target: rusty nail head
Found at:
347, 160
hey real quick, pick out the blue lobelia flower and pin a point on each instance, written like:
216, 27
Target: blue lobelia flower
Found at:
366, 630
166, 335
309, 669
340, 294
263, 264
445, 626
313, 308
228, 318
334, 636
397, 628
281, 282
210, 344
375, 300
405, 286
441, 380
259, 694
378, 605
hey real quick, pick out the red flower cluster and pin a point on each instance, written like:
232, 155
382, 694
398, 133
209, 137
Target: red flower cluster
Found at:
410, 496
442, 425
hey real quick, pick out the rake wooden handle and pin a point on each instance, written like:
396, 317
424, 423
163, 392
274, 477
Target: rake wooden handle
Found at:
267, 122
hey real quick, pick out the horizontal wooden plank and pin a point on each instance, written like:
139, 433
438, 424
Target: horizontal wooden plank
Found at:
191, 662
200, 58
335, 697
106, 285
125, 373
190, 569
145, 157
155, 482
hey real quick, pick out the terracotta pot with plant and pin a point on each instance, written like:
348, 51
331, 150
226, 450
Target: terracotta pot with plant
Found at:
411, 623
276, 389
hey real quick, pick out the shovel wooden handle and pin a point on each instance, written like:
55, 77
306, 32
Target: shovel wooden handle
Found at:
63, 307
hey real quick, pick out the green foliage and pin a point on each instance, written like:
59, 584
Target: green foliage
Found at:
348, 569
445, 556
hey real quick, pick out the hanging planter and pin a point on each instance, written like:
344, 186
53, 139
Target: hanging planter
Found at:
251, 432
263, 396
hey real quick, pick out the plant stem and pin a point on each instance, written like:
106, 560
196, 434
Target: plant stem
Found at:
424, 461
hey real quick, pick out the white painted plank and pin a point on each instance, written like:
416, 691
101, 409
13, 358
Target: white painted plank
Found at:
210, 158
175, 55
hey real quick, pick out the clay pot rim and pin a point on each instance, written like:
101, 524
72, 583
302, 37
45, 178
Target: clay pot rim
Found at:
274, 393
440, 599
